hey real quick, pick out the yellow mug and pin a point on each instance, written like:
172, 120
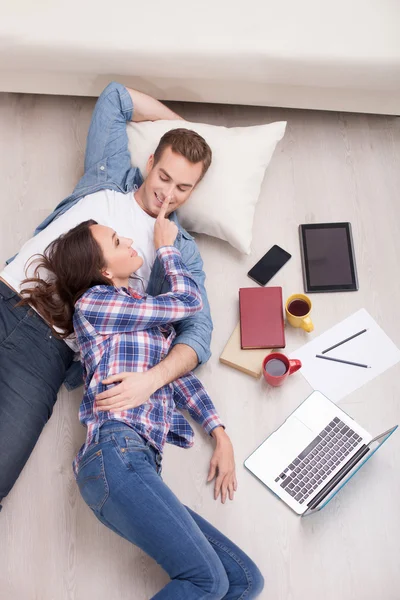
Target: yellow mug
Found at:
298, 308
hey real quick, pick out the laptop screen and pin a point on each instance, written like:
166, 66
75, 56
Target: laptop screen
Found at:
347, 472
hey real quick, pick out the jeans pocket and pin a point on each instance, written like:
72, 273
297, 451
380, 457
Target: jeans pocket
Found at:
132, 449
11, 320
134, 442
92, 482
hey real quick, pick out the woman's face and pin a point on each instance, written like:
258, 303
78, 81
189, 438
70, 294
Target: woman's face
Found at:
120, 258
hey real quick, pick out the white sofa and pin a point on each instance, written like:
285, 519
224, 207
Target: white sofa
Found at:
313, 54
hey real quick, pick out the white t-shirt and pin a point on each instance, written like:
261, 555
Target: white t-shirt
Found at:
141, 228
107, 207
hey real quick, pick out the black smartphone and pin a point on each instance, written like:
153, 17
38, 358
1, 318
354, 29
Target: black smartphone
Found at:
269, 265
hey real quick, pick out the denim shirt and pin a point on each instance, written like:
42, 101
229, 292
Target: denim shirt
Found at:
108, 166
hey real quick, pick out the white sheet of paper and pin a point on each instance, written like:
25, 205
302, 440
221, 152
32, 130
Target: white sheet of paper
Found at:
336, 380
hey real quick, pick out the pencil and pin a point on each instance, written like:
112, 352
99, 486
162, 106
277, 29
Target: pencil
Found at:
344, 341
345, 362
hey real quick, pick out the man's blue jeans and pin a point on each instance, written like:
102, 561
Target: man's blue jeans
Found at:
119, 478
32, 368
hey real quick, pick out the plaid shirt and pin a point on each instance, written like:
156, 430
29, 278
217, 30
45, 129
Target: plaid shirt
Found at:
117, 330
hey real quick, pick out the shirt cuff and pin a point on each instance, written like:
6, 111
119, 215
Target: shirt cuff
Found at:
211, 421
167, 252
125, 98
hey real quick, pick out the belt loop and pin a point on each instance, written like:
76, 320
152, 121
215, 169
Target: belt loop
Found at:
97, 436
159, 463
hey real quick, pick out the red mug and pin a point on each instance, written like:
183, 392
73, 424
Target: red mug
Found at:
277, 372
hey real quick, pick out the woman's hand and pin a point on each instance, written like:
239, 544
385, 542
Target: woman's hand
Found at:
165, 231
222, 466
133, 390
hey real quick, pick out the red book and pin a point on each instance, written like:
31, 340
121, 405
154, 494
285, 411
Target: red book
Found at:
261, 317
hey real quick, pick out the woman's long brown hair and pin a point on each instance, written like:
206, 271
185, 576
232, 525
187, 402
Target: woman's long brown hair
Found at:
74, 262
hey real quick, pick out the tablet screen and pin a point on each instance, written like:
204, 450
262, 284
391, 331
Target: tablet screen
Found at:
328, 257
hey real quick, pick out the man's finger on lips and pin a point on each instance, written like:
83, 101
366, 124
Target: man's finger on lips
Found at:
164, 207
166, 202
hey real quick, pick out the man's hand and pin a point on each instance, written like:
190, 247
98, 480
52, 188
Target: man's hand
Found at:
133, 390
222, 466
165, 231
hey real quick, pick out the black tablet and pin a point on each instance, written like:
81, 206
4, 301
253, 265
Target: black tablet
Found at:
328, 257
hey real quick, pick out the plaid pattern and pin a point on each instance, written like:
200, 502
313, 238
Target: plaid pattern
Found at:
117, 330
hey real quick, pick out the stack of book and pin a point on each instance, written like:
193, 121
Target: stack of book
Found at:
261, 327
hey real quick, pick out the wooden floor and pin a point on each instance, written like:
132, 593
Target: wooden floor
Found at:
329, 167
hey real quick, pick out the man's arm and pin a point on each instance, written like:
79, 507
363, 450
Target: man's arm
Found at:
107, 140
149, 109
107, 156
135, 389
195, 331
180, 360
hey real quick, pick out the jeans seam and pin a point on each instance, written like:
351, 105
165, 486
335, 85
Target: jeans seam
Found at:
246, 571
59, 353
20, 322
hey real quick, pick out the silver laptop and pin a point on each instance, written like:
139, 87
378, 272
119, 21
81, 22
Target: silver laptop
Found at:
313, 454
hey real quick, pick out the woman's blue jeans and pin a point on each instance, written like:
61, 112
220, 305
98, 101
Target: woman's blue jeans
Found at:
119, 478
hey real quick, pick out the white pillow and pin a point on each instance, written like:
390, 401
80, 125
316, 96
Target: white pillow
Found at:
223, 203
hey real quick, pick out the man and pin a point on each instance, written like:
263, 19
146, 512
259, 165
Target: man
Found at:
33, 364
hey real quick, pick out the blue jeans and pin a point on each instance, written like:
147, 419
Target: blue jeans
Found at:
32, 368
119, 478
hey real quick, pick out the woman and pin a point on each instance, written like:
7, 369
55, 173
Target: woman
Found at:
118, 469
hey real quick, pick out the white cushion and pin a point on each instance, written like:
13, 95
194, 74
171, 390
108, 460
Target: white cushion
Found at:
223, 203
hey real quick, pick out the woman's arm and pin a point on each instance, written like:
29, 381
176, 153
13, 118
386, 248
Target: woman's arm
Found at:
190, 394
110, 312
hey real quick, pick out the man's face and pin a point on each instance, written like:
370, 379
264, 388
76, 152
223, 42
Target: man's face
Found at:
172, 176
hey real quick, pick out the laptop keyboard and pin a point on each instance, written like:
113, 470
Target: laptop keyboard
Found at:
312, 466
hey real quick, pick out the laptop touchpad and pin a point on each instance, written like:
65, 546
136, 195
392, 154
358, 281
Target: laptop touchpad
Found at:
297, 435
287, 442
279, 449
